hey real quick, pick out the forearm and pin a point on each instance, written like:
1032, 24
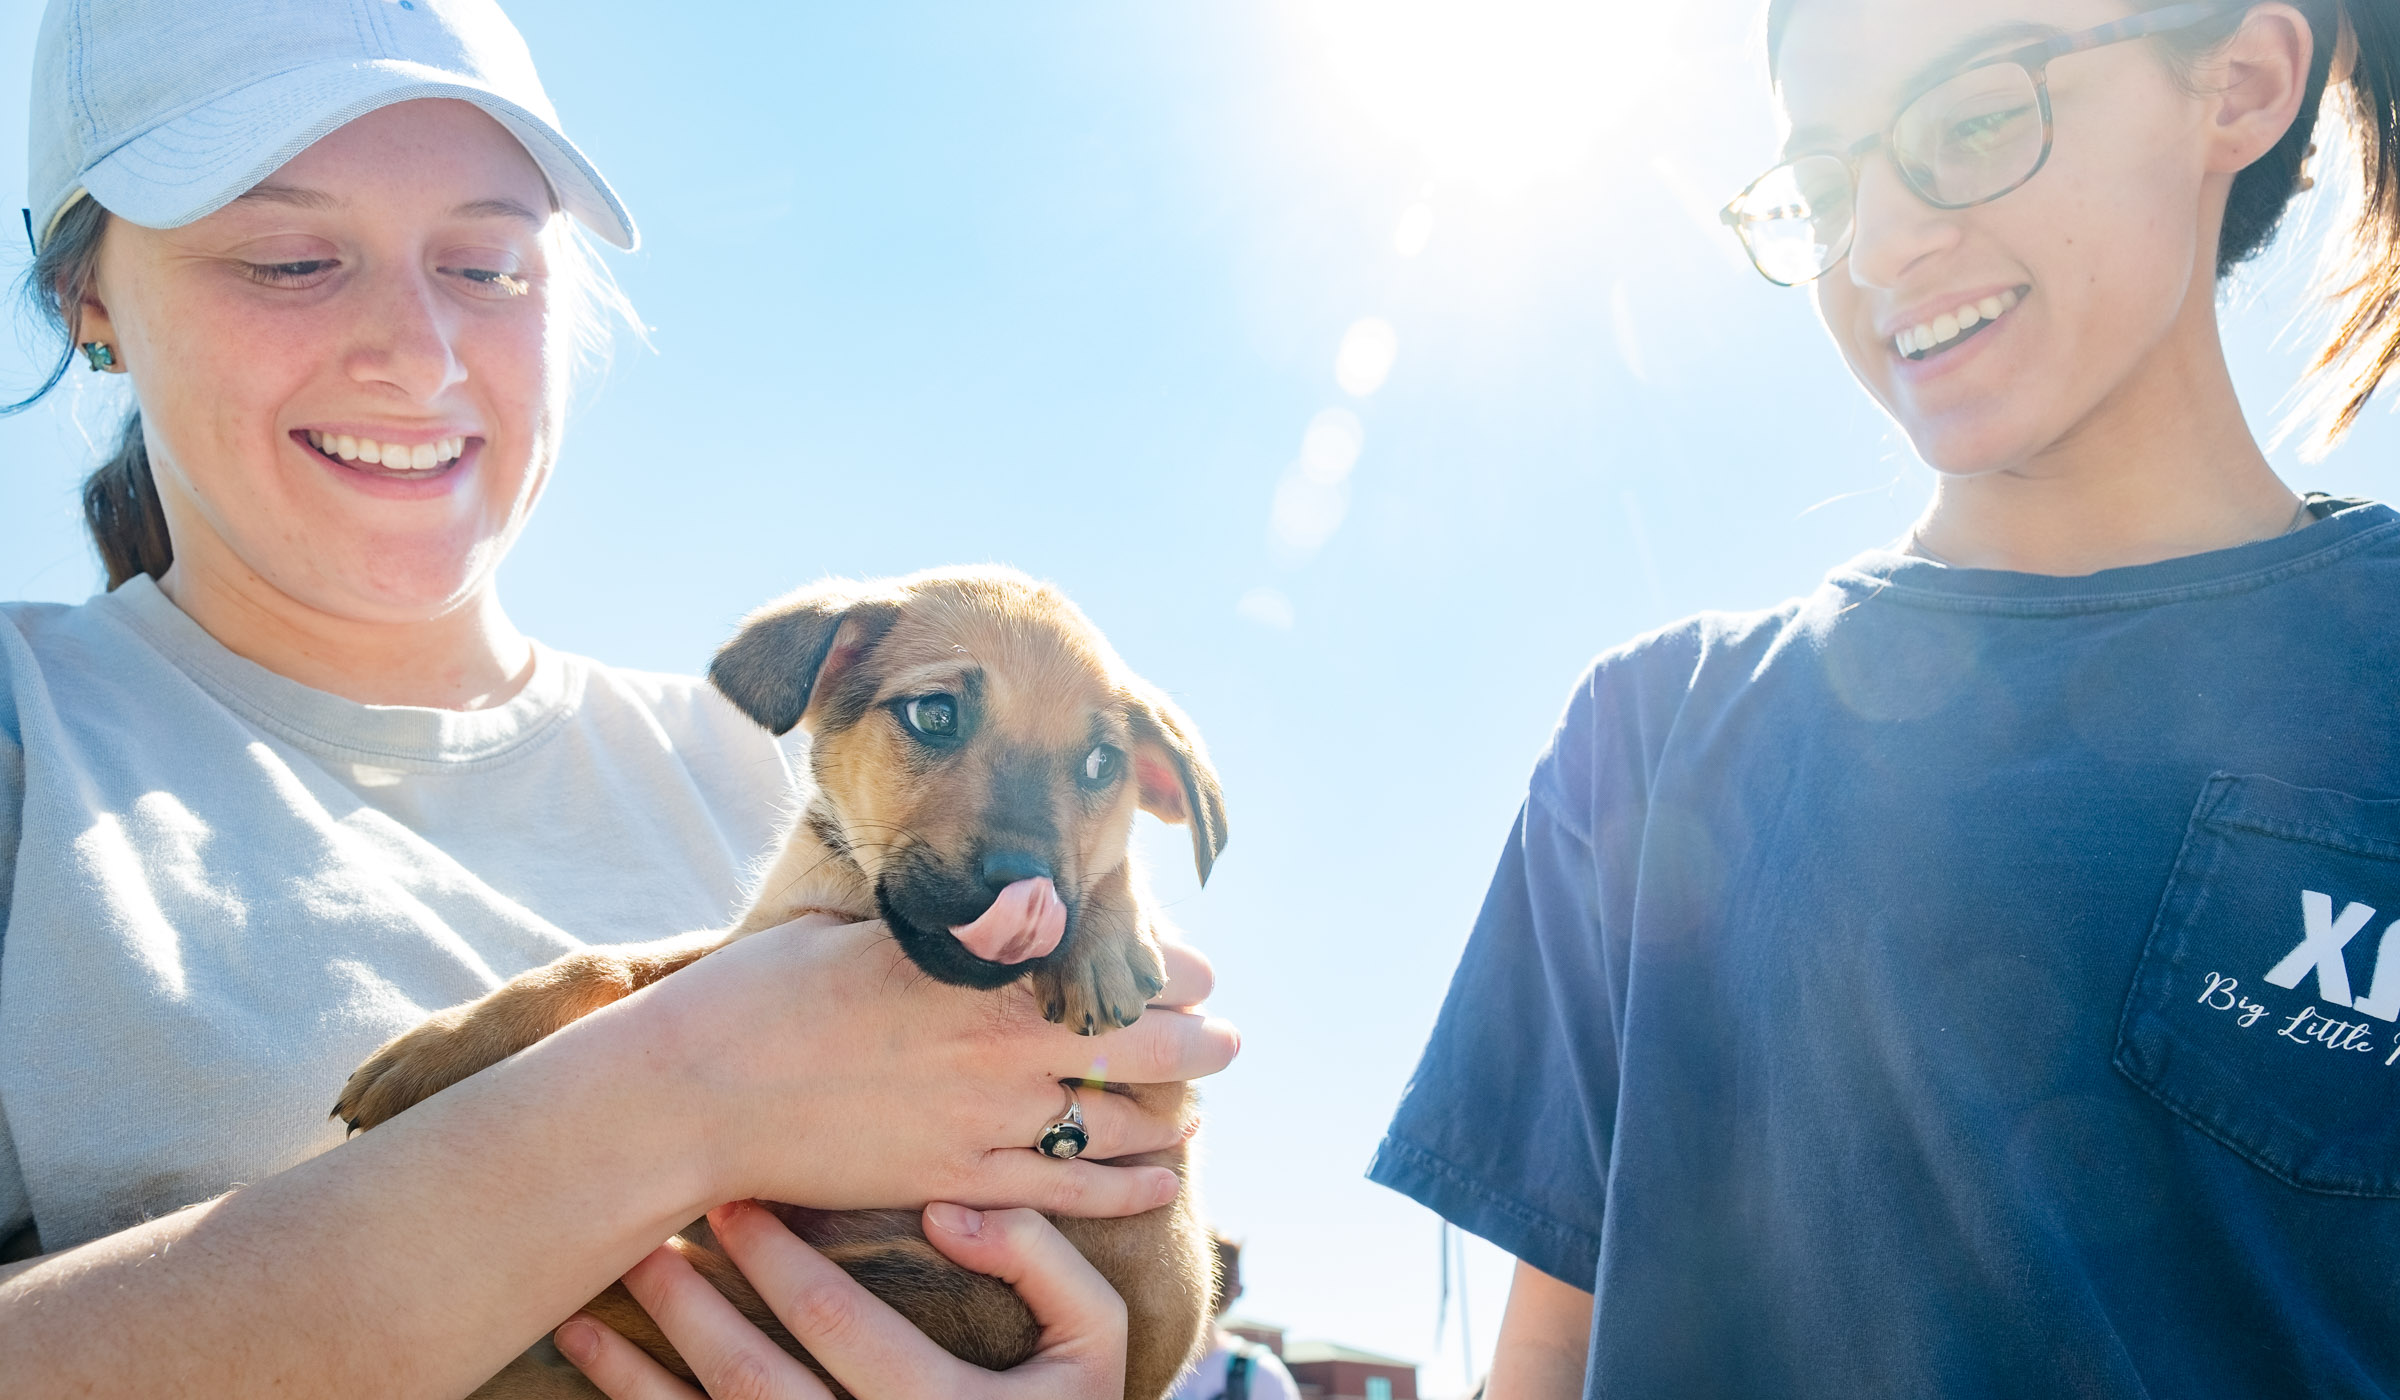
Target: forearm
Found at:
413, 1260
1544, 1340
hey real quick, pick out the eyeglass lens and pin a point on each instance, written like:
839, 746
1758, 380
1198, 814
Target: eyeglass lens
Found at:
1973, 138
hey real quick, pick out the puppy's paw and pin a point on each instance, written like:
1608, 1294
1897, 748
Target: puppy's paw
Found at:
415, 1067
469, 1039
1102, 985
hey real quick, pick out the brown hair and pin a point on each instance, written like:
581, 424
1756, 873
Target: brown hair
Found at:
120, 501
2365, 36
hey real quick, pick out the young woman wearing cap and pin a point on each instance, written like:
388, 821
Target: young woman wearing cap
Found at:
297, 780
1967, 979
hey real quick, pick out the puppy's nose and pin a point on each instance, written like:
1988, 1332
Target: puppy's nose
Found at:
1004, 868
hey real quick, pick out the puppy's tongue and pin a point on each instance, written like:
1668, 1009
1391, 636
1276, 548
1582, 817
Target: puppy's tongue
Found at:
1026, 921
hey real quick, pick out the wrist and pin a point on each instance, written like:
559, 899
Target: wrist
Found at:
683, 1047
621, 1083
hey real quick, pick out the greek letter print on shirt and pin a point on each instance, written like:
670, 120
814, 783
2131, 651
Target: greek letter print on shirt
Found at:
1887, 994
2243, 1017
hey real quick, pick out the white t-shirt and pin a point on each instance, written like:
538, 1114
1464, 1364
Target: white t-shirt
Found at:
1268, 1379
220, 890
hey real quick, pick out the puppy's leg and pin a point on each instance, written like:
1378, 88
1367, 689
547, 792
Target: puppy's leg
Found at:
1110, 967
465, 1039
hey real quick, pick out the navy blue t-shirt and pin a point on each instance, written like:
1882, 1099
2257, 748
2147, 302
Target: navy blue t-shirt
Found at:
1961, 983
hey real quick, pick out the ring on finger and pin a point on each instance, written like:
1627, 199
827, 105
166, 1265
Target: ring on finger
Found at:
1065, 1138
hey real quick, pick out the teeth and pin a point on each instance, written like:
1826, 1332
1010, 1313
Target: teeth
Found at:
1948, 326
424, 456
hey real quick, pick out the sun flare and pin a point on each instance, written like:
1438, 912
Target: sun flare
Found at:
1499, 93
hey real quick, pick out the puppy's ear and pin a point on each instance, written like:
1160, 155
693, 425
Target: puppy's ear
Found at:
1172, 769
794, 649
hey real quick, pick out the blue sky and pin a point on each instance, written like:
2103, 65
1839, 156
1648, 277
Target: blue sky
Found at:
1064, 286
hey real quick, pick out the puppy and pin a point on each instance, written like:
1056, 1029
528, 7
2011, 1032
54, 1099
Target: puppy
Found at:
977, 752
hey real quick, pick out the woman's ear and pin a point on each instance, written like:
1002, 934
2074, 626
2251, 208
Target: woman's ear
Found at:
2259, 78
89, 321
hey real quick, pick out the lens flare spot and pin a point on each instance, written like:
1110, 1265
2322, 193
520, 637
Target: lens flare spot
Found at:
1365, 360
1266, 607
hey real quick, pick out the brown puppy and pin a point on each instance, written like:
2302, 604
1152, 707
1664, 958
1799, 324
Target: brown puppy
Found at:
971, 738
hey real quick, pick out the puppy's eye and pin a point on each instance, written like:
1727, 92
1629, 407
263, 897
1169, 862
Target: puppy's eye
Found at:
932, 716
1100, 767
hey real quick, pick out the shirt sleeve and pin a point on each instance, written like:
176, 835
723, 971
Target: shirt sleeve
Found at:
12, 791
1505, 1128
1270, 1381
16, 1207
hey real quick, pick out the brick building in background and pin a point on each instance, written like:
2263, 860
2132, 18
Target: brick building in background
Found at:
1329, 1372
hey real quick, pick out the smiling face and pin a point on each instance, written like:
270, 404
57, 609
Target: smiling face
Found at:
351, 378
1993, 332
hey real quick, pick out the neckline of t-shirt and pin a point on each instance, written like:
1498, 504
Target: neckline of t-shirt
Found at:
334, 726
1910, 579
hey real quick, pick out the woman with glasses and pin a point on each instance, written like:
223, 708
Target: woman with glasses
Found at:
1981, 976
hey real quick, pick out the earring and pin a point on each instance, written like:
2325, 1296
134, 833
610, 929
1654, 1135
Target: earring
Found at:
2306, 180
100, 357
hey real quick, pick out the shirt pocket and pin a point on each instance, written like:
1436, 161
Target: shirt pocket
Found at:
2263, 1010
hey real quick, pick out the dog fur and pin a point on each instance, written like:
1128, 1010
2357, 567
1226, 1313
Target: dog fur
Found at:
904, 827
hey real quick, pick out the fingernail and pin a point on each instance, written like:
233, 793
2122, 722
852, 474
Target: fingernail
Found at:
1169, 1187
731, 1210
956, 1220
578, 1340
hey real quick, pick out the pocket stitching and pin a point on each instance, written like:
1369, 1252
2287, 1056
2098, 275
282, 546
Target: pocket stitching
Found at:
2189, 897
2327, 837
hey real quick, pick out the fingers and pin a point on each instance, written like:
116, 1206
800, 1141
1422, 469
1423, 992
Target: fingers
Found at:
1085, 1189
1121, 1126
1190, 977
1073, 1303
620, 1369
1164, 1047
730, 1356
851, 1332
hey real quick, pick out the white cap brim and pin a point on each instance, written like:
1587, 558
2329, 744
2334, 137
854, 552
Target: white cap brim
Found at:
202, 160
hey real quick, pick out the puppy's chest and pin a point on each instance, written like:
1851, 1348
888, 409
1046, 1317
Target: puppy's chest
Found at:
814, 871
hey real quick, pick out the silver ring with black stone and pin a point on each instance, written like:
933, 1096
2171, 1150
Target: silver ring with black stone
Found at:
1065, 1139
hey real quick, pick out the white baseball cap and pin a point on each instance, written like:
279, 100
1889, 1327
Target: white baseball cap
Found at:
167, 110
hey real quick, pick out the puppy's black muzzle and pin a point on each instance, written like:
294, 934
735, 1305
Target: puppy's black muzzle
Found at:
921, 901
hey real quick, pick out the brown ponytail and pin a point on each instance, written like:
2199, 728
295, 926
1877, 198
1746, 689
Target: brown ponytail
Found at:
120, 508
120, 501
2366, 338
2354, 79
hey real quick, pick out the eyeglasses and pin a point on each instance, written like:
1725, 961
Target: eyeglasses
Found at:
1965, 140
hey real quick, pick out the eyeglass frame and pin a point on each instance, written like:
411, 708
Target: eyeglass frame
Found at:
2033, 60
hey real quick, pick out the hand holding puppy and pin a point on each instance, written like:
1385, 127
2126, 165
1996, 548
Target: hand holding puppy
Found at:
951, 968
880, 1087
873, 1351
